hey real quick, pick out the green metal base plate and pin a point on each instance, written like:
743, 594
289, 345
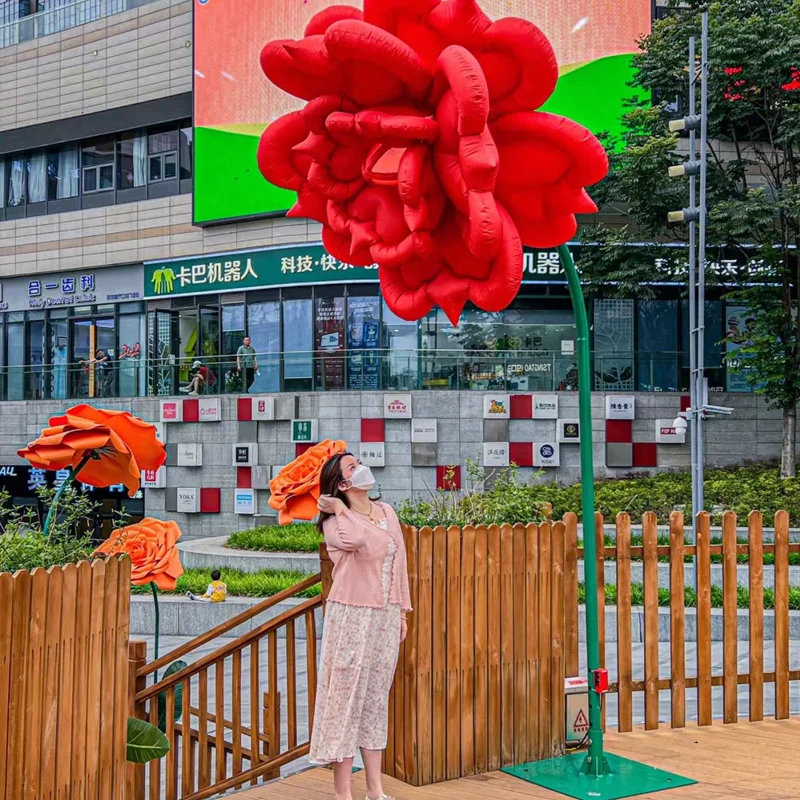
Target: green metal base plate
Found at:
625, 778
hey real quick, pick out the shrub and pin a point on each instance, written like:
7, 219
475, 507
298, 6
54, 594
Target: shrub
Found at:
265, 583
297, 538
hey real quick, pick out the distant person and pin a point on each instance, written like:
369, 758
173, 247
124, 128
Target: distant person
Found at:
102, 372
246, 363
216, 592
203, 379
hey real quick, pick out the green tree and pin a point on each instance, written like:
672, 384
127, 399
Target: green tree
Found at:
753, 190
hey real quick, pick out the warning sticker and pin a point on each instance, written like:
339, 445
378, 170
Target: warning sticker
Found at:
581, 724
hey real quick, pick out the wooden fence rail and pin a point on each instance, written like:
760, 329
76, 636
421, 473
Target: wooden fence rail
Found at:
64, 681
676, 680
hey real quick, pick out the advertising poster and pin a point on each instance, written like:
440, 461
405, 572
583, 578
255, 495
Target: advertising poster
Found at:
363, 342
330, 342
234, 102
738, 322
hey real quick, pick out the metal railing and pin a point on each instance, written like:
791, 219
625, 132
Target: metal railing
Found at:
341, 370
55, 16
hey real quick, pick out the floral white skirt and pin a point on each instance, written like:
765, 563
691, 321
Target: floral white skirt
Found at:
357, 665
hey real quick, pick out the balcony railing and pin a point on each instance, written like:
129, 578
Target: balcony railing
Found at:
341, 370
55, 16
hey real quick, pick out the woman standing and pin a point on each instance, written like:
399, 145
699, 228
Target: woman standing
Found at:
365, 622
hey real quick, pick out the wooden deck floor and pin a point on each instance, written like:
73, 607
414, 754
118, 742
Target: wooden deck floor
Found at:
757, 761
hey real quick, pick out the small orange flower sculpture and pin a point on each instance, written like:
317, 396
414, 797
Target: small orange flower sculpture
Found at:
152, 547
114, 445
295, 489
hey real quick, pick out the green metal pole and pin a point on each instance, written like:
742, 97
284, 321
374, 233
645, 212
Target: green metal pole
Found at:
53, 510
595, 763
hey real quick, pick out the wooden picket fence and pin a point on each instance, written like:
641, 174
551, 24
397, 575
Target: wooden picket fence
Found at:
625, 686
64, 681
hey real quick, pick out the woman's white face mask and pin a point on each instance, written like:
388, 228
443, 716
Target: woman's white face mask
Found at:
362, 478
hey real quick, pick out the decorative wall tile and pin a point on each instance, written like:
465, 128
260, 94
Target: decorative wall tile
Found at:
244, 409
210, 500
495, 430
371, 454
568, 431
245, 501
546, 454
245, 454
189, 454
667, 433
188, 501
448, 477
495, 454
244, 477
154, 478
172, 410
645, 454
496, 406
424, 430
262, 409
247, 431
545, 406
304, 430
373, 430
209, 409
521, 453
619, 454
259, 477
620, 406
521, 406
423, 454
191, 409
397, 406
619, 431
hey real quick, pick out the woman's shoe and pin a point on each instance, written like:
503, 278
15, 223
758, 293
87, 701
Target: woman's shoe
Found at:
382, 797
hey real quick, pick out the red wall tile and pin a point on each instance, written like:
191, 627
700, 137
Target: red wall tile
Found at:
244, 411
619, 431
244, 478
191, 410
521, 453
645, 454
448, 478
301, 447
521, 406
373, 430
209, 501
686, 402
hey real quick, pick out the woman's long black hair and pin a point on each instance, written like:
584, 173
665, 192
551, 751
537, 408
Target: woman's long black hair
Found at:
329, 481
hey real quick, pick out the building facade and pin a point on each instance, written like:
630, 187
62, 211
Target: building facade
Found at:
110, 294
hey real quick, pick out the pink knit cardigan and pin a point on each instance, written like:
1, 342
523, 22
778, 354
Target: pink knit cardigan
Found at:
358, 551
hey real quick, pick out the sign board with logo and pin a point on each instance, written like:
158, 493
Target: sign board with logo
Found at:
496, 406
21, 480
171, 411
245, 501
496, 454
209, 409
154, 478
190, 454
372, 454
84, 287
397, 406
667, 433
568, 431
620, 406
546, 454
304, 430
545, 406
423, 430
188, 501
245, 455
263, 408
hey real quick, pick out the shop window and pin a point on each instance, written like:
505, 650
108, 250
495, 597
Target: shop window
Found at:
131, 363
97, 160
2, 181
401, 362
63, 175
715, 343
264, 329
613, 345
298, 341
15, 342
132, 157
657, 346
16, 182
186, 149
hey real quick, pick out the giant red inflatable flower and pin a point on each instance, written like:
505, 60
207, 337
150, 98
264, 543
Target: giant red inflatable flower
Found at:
420, 147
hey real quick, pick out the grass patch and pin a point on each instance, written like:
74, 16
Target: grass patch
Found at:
265, 583
297, 538
690, 597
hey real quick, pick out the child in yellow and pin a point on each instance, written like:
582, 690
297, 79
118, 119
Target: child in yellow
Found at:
216, 592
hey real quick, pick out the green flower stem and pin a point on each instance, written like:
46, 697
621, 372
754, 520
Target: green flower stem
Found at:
154, 590
51, 514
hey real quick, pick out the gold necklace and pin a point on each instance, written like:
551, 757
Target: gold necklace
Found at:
368, 515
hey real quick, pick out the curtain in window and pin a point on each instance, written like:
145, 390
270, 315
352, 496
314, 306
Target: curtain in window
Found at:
2, 180
37, 177
140, 160
67, 173
15, 183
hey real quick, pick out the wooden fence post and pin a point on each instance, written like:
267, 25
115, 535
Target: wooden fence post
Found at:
137, 658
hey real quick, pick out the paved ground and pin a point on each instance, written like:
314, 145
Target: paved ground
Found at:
169, 642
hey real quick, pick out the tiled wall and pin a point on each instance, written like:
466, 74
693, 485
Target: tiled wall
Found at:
410, 468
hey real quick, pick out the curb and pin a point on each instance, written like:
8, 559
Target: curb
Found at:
211, 553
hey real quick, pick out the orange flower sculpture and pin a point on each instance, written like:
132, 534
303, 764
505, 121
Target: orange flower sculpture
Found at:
152, 547
295, 489
113, 446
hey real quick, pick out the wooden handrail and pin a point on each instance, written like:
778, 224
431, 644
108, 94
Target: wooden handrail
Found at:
236, 645
228, 625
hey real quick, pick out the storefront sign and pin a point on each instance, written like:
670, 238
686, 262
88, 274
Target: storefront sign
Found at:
209, 409
263, 408
304, 430
190, 454
87, 286
496, 406
620, 406
154, 478
188, 501
546, 454
568, 431
171, 411
397, 406
20, 480
245, 455
251, 269
545, 406
245, 501
423, 430
372, 454
496, 454
667, 433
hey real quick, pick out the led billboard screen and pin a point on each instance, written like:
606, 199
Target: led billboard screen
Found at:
234, 102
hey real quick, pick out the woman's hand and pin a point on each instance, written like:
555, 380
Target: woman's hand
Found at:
330, 505
403, 629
